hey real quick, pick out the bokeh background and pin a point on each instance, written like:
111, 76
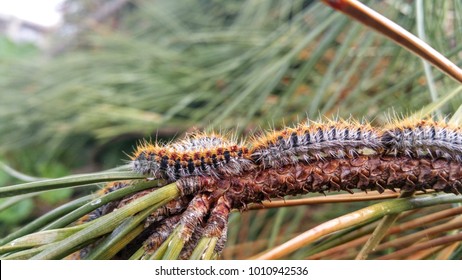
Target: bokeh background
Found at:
77, 95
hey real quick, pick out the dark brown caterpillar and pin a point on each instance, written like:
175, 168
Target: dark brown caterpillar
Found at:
205, 202
375, 172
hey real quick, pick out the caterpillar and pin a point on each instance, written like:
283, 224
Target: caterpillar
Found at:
416, 138
215, 174
365, 172
314, 141
213, 155
197, 155
326, 152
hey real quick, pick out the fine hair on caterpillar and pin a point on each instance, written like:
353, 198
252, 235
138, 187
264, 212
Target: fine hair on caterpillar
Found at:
196, 155
200, 194
418, 138
348, 174
215, 174
314, 141
204, 154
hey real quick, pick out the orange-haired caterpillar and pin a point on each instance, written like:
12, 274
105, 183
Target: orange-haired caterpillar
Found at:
339, 156
205, 155
314, 141
213, 155
417, 138
197, 155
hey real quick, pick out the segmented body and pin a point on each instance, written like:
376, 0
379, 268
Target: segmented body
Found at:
215, 175
213, 155
197, 155
315, 141
423, 138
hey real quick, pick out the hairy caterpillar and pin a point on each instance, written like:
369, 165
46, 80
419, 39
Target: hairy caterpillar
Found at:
416, 138
216, 156
218, 160
213, 155
314, 141
365, 172
197, 155
215, 175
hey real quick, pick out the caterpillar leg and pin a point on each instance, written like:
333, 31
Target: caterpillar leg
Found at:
215, 227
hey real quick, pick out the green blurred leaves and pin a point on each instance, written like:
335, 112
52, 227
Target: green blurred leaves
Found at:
164, 67
168, 67
16, 213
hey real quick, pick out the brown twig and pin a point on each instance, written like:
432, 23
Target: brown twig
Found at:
419, 222
425, 245
420, 255
412, 238
381, 24
339, 198
447, 251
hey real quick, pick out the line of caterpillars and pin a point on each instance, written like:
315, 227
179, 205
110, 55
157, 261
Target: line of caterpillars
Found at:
214, 155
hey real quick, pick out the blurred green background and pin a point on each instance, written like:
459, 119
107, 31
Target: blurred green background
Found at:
115, 72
